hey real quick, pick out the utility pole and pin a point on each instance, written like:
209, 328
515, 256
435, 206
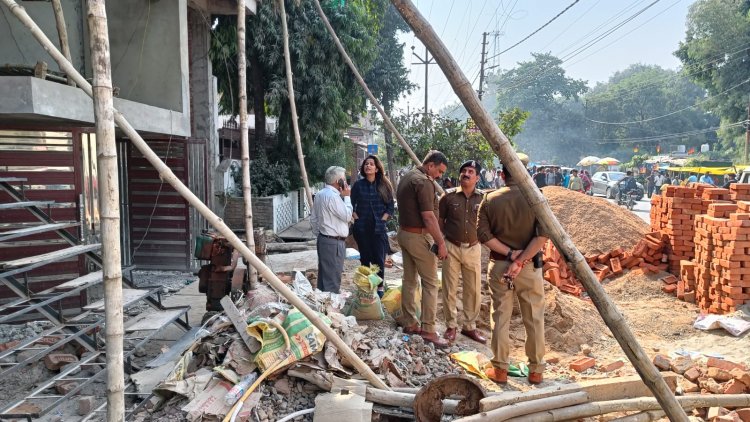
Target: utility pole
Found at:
426, 61
747, 132
482, 62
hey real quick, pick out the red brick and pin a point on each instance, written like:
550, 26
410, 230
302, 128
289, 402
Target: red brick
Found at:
692, 374
734, 387
582, 364
54, 361
744, 414
614, 263
611, 366
662, 362
723, 364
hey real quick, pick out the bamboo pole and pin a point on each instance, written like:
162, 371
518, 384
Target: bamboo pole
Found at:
293, 106
166, 174
109, 208
386, 118
62, 32
627, 405
244, 143
502, 147
529, 407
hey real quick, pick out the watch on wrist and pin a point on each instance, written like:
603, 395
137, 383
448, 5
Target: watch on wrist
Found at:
509, 257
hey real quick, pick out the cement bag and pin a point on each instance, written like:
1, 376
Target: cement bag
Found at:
392, 302
304, 338
365, 302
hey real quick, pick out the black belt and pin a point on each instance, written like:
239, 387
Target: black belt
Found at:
334, 237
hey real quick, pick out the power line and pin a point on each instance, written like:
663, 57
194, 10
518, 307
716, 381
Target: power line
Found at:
672, 113
665, 136
537, 30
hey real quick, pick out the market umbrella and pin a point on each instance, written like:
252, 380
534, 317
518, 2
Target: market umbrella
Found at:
608, 161
588, 161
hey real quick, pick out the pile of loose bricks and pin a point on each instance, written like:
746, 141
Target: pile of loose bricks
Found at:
646, 256
707, 234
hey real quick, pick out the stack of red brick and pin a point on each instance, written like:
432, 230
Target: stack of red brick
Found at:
646, 256
673, 214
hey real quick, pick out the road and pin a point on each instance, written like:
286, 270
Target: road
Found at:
642, 209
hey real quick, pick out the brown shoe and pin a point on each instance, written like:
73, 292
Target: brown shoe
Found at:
474, 335
435, 339
412, 329
536, 377
498, 375
450, 334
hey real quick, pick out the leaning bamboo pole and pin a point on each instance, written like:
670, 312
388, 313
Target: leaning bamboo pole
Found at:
109, 208
386, 118
62, 33
166, 174
504, 150
293, 106
244, 143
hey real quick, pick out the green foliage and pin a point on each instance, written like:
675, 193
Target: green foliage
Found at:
511, 122
638, 94
636, 161
446, 135
555, 125
268, 178
714, 56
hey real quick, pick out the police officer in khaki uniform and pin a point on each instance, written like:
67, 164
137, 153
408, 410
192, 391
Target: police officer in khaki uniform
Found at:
458, 221
508, 227
417, 207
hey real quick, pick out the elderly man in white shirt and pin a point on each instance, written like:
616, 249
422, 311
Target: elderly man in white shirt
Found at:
331, 213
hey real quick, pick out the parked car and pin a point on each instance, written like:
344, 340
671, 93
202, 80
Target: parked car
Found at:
605, 183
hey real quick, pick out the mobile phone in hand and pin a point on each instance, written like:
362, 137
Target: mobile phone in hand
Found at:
434, 248
341, 184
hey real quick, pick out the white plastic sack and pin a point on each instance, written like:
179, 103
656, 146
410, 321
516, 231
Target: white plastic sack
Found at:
352, 253
734, 326
301, 285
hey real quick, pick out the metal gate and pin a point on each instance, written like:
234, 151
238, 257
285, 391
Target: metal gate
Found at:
47, 160
159, 216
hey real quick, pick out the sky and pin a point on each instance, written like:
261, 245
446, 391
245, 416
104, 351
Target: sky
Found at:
594, 38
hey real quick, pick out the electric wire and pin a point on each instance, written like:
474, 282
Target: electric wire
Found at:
536, 31
665, 136
673, 112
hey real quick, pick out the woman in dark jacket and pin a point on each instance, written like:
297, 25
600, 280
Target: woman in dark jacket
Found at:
372, 202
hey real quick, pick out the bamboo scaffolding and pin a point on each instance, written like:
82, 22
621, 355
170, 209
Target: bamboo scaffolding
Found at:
244, 143
293, 106
386, 119
502, 147
166, 174
62, 32
109, 208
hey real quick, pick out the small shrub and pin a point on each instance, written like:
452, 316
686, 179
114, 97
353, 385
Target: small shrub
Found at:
266, 178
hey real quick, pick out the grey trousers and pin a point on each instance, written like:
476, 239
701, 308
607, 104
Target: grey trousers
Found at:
331, 254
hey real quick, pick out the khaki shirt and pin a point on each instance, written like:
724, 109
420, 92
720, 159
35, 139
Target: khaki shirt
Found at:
459, 215
415, 194
504, 214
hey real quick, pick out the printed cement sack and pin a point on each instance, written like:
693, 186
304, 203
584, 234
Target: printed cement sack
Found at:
304, 338
392, 302
365, 302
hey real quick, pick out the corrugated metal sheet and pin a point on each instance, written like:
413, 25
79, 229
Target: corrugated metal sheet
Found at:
159, 216
197, 159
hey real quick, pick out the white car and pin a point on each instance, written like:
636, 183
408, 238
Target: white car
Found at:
605, 183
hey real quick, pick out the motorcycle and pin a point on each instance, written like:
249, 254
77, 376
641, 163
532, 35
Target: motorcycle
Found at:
629, 199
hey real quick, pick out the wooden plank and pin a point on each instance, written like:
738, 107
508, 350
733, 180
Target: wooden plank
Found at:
24, 204
28, 231
128, 297
175, 350
153, 320
51, 256
239, 324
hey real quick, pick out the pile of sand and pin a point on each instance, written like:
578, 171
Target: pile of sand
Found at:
595, 224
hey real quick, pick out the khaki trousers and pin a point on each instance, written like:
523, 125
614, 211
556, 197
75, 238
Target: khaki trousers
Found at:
468, 263
529, 287
418, 259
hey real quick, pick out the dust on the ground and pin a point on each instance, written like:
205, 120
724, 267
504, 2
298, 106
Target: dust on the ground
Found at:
594, 224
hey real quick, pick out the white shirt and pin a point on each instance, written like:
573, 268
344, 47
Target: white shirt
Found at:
330, 214
658, 180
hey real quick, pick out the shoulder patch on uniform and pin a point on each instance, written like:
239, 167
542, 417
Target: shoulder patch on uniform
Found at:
450, 190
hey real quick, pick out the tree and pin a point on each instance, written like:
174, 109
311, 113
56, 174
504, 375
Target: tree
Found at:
638, 106
328, 97
714, 54
555, 125
511, 122
450, 136
388, 78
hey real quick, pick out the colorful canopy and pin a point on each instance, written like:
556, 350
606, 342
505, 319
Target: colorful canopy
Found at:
608, 161
588, 161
